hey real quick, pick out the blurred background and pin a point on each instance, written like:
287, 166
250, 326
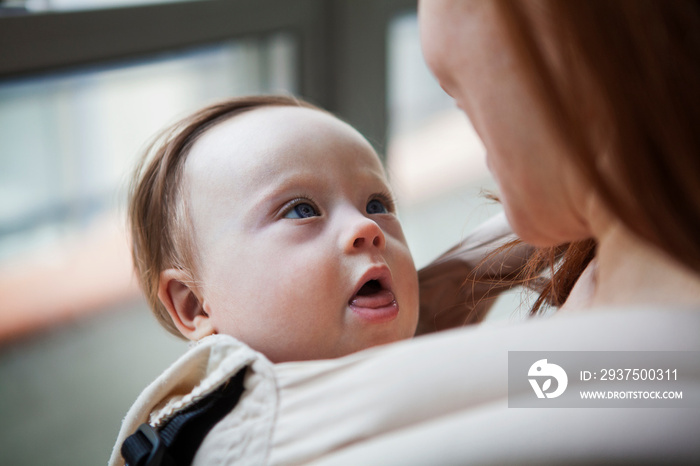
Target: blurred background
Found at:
84, 84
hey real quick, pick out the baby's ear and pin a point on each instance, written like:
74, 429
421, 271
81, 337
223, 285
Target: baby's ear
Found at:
185, 308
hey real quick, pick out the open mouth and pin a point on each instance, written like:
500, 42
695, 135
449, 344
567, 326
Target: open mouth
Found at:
370, 288
375, 300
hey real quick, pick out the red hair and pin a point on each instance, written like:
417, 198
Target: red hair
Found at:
622, 89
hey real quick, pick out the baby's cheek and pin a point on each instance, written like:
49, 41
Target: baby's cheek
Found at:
404, 263
407, 278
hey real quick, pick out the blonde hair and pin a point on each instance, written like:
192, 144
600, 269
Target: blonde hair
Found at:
159, 223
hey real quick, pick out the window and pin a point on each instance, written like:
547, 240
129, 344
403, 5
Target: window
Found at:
434, 157
436, 162
69, 141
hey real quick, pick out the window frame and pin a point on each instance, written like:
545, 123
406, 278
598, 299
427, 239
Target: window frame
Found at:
342, 44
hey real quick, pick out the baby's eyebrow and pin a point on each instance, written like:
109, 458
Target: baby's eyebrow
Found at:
283, 184
290, 182
276, 191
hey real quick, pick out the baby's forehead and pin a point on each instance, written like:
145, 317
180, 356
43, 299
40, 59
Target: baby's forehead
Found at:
258, 138
256, 157
275, 124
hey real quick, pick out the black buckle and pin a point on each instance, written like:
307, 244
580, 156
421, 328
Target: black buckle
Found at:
146, 456
177, 440
157, 446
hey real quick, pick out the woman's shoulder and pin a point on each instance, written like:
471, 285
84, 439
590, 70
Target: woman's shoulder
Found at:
640, 327
643, 328
409, 401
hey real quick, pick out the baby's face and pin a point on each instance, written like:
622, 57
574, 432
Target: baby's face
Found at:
301, 255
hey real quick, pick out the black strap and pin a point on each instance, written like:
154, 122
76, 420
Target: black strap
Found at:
177, 441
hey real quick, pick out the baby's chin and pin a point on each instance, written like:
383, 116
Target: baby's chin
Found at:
339, 352
379, 342
346, 343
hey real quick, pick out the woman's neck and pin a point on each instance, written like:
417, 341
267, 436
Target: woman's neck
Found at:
628, 271
631, 271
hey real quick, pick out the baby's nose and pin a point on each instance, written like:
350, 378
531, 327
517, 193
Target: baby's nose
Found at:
365, 234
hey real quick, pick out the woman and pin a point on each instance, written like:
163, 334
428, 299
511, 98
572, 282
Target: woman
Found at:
589, 112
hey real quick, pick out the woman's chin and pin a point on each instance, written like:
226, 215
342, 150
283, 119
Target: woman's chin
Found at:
541, 233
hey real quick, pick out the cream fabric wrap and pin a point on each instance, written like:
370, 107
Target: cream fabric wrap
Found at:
439, 398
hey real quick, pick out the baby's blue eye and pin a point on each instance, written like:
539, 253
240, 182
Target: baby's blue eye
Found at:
375, 206
302, 210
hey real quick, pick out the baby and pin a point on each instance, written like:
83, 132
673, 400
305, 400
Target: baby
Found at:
269, 220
